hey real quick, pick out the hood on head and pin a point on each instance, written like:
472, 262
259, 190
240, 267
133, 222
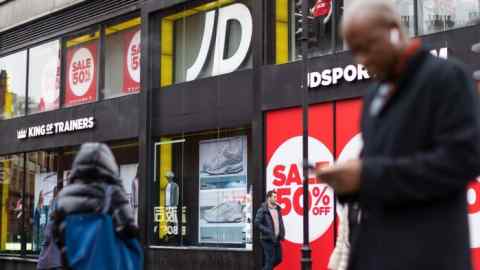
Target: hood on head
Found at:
95, 163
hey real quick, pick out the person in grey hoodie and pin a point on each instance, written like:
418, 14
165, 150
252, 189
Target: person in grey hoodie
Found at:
93, 169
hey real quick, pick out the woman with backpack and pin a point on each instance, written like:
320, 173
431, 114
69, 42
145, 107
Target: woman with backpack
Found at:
94, 205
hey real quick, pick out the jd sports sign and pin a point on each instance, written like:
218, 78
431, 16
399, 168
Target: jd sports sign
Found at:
328, 77
351, 73
237, 12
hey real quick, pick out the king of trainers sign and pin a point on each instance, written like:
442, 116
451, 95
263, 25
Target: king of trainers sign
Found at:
350, 73
56, 128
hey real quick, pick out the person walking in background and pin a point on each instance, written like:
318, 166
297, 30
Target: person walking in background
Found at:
421, 131
272, 230
40, 218
50, 257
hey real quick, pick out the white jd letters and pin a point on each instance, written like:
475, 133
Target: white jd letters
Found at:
221, 65
442, 53
196, 68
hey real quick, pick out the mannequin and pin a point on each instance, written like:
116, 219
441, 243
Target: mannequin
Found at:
171, 191
134, 201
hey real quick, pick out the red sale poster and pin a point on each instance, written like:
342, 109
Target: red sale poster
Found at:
473, 197
284, 174
347, 125
81, 73
131, 64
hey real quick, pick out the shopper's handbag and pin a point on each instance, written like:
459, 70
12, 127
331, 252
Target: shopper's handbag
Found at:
50, 256
340, 255
91, 242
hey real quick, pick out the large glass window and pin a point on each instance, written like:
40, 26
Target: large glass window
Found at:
41, 190
202, 194
441, 15
13, 74
320, 18
12, 205
405, 9
126, 155
122, 59
44, 78
81, 69
121, 71
208, 40
324, 17
24, 215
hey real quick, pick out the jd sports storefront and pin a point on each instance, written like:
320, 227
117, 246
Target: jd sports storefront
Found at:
211, 122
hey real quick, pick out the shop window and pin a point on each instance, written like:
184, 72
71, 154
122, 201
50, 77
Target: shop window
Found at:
202, 192
405, 9
207, 40
324, 17
288, 24
126, 155
122, 59
442, 15
13, 74
12, 205
81, 69
44, 77
41, 190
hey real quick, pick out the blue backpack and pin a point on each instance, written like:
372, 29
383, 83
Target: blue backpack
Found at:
91, 242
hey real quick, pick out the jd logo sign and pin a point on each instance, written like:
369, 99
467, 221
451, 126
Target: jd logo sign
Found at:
221, 65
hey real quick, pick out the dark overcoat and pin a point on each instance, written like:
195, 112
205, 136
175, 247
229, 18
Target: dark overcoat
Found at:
420, 151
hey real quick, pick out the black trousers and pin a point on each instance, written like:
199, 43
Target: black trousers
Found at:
272, 254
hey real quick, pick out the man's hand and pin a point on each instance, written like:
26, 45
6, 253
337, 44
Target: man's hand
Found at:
344, 177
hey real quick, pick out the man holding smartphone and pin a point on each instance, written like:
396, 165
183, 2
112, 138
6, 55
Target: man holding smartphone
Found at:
420, 125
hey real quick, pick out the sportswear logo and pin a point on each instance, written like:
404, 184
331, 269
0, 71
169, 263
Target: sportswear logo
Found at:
238, 12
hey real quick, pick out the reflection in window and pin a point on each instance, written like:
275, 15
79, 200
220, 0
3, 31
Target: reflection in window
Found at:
41, 190
12, 207
442, 15
319, 29
81, 69
202, 195
126, 155
405, 10
323, 16
122, 59
44, 77
13, 73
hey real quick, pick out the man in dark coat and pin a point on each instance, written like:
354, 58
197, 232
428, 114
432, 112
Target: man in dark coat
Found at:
269, 222
421, 136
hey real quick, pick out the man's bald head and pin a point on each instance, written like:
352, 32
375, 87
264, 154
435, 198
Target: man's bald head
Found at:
374, 33
380, 13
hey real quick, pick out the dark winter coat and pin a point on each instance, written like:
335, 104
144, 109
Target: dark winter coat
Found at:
93, 169
419, 153
264, 222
